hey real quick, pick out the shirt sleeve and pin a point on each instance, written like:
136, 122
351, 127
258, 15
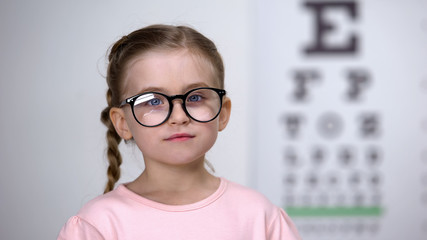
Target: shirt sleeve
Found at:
282, 228
78, 229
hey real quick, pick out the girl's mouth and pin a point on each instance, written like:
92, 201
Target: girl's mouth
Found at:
179, 137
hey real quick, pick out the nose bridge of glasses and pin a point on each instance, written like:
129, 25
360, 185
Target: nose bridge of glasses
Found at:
172, 102
175, 97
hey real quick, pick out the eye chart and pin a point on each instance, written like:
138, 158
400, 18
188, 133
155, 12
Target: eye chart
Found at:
340, 109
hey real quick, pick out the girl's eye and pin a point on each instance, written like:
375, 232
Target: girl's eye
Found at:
155, 102
194, 98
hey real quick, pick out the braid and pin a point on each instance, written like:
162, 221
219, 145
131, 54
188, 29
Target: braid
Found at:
113, 139
113, 152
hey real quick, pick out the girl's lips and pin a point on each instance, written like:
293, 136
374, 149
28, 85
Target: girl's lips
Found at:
179, 137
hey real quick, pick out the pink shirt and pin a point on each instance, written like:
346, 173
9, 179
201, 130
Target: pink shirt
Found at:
233, 212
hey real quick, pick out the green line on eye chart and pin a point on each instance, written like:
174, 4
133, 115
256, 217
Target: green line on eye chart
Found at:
374, 211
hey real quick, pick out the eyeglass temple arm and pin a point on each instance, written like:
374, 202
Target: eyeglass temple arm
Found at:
124, 102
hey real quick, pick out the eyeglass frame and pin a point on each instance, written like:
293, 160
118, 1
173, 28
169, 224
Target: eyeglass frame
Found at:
131, 101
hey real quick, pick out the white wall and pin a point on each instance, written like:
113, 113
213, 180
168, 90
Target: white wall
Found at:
52, 92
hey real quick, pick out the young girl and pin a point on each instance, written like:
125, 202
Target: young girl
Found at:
166, 94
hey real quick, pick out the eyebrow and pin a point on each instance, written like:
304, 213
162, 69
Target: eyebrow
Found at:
164, 90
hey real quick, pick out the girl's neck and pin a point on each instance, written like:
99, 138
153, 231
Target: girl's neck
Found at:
175, 185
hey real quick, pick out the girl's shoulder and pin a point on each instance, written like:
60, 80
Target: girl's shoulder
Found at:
248, 197
255, 206
93, 218
106, 204
244, 191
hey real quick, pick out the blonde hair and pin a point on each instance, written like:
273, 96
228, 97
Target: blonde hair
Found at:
154, 37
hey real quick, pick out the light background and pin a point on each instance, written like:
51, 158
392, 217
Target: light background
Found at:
52, 90
393, 51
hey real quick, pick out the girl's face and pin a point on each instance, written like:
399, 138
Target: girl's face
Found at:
180, 140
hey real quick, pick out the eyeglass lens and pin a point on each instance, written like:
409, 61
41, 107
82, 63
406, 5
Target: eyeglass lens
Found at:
152, 109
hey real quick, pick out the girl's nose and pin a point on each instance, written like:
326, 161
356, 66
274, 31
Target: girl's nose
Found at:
178, 115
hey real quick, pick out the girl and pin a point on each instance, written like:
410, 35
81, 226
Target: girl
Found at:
166, 94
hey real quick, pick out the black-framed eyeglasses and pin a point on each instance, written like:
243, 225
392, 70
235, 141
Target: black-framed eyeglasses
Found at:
152, 109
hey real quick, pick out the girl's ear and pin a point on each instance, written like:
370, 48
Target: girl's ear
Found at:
224, 116
117, 116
